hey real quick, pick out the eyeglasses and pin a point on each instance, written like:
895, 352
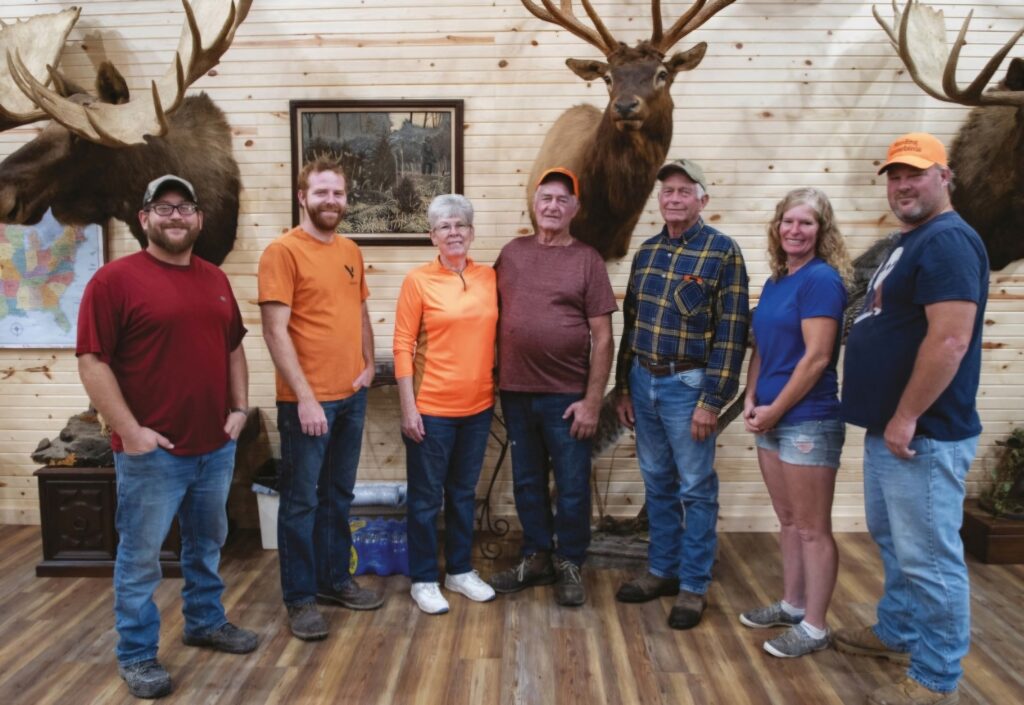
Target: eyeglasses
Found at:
446, 228
165, 209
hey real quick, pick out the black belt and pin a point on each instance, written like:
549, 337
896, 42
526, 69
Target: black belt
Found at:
668, 368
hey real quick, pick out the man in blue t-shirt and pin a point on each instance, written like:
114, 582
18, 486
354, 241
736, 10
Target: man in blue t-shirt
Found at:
913, 359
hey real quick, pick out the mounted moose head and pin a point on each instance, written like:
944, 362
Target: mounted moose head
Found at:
94, 160
617, 154
987, 156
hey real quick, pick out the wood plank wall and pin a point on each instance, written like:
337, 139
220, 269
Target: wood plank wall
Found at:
789, 94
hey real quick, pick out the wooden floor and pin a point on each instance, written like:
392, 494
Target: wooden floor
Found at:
57, 640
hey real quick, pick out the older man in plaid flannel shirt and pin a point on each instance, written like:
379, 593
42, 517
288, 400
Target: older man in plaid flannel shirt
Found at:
679, 364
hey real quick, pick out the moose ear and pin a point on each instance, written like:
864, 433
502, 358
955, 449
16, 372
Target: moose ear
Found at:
687, 60
110, 85
587, 69
1014, 80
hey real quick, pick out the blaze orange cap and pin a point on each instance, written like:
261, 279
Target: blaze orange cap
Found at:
918, 149
561, 170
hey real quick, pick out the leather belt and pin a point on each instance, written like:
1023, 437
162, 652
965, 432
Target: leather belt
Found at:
668, 368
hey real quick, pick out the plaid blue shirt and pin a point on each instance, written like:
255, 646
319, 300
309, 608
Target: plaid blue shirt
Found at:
687, 300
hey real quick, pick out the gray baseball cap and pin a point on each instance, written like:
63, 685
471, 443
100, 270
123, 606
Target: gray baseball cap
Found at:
686, 166
161, 183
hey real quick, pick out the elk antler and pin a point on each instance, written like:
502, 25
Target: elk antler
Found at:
699, 13
919, 36
564, 17
120, 125
40, 39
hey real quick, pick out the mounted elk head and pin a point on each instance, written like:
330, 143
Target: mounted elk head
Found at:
987, 156
94, 160
617, 154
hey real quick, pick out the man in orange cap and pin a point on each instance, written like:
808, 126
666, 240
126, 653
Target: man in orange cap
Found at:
554, 356
913, 359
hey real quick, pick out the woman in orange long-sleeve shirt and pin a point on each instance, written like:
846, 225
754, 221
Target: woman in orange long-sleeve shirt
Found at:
444, 360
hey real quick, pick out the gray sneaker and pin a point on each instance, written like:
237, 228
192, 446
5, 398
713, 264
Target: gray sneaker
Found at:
228, 638
306, 622
769, 616
796, 642
146, 679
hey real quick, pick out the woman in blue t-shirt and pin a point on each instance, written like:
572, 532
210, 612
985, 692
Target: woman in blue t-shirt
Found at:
792, 405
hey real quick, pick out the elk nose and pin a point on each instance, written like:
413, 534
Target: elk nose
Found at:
625, 107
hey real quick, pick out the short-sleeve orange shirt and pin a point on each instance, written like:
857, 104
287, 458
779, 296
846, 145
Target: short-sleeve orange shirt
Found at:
324, 285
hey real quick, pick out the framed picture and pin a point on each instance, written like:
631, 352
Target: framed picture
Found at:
397, 155
43, 272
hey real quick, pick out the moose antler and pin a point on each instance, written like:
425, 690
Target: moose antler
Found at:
698, 13
919, 36
128, 123
41, 41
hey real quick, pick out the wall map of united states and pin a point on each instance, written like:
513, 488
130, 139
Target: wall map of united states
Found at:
43, 272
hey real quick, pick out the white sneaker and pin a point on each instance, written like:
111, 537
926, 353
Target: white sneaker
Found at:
429, 598
470, 585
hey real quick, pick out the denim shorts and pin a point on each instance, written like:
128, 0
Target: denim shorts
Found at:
806, 442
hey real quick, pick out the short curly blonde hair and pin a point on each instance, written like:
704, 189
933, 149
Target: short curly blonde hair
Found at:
829, 246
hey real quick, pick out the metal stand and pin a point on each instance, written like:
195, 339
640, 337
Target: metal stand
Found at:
490, 547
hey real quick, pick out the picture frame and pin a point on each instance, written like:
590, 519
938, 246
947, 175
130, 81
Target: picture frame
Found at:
397, 155
44, 269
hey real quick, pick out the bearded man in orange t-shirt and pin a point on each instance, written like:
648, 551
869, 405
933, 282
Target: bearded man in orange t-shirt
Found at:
312, 295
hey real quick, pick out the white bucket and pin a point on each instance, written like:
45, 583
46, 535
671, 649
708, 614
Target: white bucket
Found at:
268, 519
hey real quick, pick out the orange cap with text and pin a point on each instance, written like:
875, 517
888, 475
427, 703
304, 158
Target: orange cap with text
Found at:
917, 149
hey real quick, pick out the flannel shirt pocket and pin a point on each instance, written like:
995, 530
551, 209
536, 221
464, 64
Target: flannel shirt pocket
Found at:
690, 297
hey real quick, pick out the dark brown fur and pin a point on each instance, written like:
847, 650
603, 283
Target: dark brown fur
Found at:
987, 159
617, 165
84, 182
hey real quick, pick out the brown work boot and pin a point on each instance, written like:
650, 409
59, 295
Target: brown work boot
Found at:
687, 610
647, 587
351, 595
910, 692
569, 590
534, 569
863, 641
229, 639
306, 622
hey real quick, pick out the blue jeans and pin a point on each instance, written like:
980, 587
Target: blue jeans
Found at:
444, 467
151, 489
679, 478
537, 431
914, 511
317, 476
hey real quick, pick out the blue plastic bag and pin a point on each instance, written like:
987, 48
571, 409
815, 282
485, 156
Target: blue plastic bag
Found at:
379, 546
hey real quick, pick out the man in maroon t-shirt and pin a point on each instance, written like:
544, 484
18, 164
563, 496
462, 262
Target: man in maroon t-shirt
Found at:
554, 355
160, 355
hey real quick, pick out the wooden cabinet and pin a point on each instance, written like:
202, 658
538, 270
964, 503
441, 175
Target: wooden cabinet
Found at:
76, 508
991, 540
